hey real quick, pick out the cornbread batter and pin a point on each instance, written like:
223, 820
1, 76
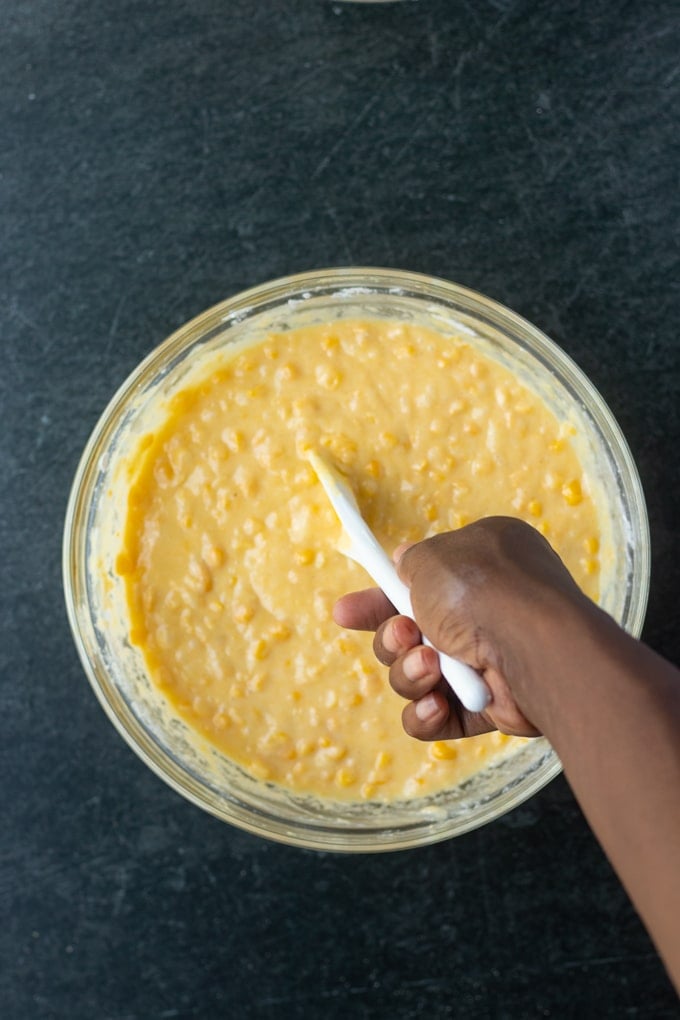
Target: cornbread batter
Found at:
230, 556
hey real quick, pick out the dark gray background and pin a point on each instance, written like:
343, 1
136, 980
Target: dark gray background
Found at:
157, 157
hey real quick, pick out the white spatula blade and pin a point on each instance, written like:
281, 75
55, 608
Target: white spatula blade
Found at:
364, 549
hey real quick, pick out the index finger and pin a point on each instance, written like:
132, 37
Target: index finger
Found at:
363, 610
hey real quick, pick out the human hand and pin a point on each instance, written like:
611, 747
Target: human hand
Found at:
480, 594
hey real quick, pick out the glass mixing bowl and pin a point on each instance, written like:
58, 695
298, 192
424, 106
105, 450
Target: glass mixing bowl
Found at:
95, 594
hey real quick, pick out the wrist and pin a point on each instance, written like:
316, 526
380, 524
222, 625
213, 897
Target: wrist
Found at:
549, 649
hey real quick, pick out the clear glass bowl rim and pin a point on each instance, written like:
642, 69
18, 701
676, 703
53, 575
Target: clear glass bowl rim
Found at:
300, 287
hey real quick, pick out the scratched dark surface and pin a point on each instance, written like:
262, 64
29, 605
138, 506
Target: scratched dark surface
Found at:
158, 157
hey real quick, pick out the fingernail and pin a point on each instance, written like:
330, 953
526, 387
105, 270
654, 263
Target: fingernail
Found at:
389, 639
413, 666
427, 708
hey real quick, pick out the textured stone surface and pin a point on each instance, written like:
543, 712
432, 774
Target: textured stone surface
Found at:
158, 157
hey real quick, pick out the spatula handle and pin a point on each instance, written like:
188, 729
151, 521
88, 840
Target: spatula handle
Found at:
464, 681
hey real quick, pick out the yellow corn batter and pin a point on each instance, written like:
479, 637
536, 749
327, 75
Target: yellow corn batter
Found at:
230, 558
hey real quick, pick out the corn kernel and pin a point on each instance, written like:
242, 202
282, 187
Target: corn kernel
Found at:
368, 790
305, 556
173, 599
182, 402
535, 507
387, 440
336, 752
367, 488
345, 777
248, 485
236, 717
591, 545
277, 741
589, 566
405, 351
442, 750
214, 556
382, 760
243, 614
330, 343
482, 466
373, 469
256, 682
233, 439
571, 492
341, 446
328, 377
431, 512
163, 473
413, 786
259, 769
200, 579
305, 478
260, 649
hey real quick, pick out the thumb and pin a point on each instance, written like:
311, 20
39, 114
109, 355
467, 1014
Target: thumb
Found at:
399, 555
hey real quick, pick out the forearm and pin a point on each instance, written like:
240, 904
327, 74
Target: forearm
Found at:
611, 709
494, 594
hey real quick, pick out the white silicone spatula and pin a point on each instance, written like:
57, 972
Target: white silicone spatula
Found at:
364, 548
